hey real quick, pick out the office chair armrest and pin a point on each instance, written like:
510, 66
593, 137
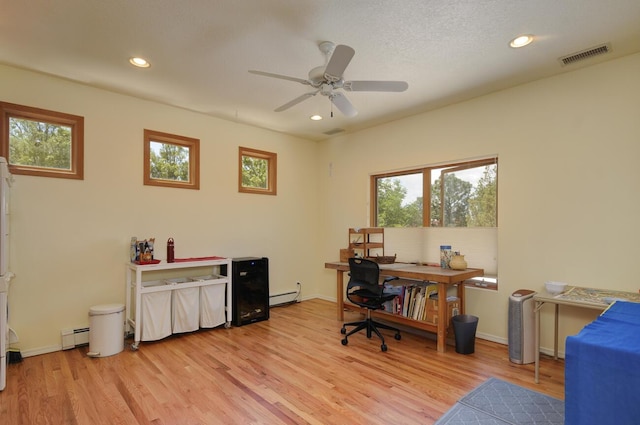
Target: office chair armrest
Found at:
390, 278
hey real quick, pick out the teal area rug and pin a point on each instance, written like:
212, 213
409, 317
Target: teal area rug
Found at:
497, 402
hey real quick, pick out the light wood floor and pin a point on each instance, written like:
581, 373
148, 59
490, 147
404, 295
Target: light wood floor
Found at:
291, 369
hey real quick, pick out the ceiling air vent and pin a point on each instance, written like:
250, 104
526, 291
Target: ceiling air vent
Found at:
334, 131
585, 54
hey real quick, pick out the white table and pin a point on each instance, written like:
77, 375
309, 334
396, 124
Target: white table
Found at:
135, 287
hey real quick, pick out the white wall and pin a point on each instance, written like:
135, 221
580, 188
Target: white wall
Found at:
70, 239
568, 150
479, 245
568, 195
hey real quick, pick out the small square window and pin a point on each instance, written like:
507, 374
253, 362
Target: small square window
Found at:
257, 171
171, 161
42, 143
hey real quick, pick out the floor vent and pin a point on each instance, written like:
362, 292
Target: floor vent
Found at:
72, 338
585, 54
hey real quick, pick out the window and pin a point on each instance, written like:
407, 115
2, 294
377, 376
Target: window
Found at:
42, 143
171, 161
461, 194
257, 171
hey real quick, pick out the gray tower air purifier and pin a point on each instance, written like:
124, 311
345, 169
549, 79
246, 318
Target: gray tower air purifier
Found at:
522, 348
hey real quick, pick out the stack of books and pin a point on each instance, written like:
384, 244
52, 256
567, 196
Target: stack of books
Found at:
418, 301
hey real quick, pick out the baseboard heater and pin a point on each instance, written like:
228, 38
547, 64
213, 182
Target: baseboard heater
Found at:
275, 300
72, 338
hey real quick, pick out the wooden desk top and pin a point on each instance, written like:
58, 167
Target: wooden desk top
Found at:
412, 271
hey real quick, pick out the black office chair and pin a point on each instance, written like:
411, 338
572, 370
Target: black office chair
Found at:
365, 290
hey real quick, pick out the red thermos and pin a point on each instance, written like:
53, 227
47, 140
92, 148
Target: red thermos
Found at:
170, 254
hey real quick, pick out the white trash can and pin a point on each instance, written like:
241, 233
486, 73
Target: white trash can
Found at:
106, 330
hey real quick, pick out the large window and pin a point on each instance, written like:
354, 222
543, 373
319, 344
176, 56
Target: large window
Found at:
171, 160
462, 194
42, 143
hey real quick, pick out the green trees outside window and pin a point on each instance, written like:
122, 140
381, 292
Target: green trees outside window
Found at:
39, 144
254, 172
257, 171
461, 195
171, 160
42, 143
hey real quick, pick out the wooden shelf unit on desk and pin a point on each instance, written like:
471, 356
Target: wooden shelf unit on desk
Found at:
367, 241
444, 278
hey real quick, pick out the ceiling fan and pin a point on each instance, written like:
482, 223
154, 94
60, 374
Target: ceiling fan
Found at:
327, 79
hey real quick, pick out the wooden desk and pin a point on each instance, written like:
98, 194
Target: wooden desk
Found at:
443, 277
597, 299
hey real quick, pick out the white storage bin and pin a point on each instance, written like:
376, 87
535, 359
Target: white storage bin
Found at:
156, 314
106, 330
212, 311
185, 314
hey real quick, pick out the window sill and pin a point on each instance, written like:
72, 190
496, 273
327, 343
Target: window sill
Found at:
484, 282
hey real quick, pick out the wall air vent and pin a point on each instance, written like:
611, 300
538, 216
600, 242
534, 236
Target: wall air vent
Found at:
334, 131
585, 54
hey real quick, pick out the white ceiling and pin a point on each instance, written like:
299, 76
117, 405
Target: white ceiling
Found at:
200, 50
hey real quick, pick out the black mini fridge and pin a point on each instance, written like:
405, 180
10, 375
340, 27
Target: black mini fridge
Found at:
250, 293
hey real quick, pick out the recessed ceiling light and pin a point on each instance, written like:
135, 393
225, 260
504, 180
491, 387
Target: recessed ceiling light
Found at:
139, 62
315, 117
521, 41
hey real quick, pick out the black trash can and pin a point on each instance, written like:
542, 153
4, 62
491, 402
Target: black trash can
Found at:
464, 328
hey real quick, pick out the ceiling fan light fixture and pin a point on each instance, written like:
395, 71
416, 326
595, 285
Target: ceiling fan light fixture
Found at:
328, 79
139, 62
521, 41
315, 117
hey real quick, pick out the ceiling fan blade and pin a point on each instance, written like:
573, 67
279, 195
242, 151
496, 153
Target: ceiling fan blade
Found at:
343, 104
386, 86
338, 63
281, 77
296, 101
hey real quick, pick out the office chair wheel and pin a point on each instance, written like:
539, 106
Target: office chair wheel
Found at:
398, 337
343, 330
383, 347
345, 341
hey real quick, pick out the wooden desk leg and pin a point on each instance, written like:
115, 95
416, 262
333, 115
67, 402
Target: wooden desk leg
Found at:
340, 295
442, 313
461, 297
